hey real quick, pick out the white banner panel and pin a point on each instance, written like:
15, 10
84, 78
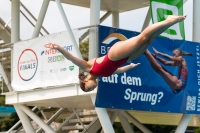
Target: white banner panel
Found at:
35, 66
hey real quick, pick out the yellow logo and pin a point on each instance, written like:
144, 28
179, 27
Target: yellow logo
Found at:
113, 37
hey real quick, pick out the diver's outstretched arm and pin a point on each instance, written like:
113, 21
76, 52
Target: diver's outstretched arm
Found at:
162, 54
163, 61
126, 68
172, 58
79, 62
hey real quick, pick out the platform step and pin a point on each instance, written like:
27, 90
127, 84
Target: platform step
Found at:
91, 112
77, 127
74, 131
84, 120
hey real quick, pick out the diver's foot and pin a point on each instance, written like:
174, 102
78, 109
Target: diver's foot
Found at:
176, 19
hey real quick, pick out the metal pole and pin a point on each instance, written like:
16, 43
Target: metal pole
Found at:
7, 23
33, 17
105, 16
80, 120
125, 124
23, 117
84, 35
115, 19
29, 21
40, 18
183, 123
93, 52
103, 117
45, 118
71, 35
13, 127
19, 122
52, 118
5, 78
36, 119
135, 122
147, 19
113, 116
25, 120
196, 20
94, 20
15, 36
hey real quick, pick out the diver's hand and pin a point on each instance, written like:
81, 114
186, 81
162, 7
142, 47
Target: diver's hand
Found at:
156, 51
134, 65
52, 46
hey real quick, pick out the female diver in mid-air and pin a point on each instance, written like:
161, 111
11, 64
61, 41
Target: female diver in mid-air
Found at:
118, 54
176, 83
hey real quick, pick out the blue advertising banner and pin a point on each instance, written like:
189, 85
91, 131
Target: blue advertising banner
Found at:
158, 83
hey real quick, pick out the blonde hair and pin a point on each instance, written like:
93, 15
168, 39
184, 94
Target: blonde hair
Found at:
183, 52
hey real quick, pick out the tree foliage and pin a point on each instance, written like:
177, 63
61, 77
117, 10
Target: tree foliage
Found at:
2, 100
84, 49
8, 122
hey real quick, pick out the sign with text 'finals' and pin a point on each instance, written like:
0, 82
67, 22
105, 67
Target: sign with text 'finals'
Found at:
160, 9
35, 66
151, 85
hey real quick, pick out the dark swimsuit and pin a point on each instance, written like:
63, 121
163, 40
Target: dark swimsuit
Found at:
107, 67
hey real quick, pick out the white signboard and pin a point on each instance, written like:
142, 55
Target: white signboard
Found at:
35, 66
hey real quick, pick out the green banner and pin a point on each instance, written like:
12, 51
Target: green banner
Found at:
160, 9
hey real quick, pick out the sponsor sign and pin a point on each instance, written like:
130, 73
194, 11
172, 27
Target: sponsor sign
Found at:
35, 66
151, 85
160, 9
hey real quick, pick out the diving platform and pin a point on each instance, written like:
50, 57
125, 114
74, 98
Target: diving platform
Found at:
71, 97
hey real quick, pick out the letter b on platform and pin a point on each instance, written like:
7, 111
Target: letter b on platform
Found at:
160, 9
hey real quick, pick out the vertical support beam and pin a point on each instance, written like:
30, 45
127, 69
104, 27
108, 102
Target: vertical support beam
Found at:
40, 18
36, 119
196, 20
15, 34
183, 123
147, 19
103, 117
93, 52
125, 124
95, 11
113, 116
84, 35
94, 20
115, 19
71, 35
135, 122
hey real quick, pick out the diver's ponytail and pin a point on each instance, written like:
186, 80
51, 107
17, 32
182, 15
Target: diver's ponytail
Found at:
186, 53
183, 52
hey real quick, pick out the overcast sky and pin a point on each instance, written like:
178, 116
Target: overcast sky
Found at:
77, 17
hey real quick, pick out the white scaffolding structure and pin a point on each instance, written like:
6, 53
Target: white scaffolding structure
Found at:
63, 98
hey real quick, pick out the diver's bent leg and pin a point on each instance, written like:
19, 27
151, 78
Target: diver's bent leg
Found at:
169, 78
